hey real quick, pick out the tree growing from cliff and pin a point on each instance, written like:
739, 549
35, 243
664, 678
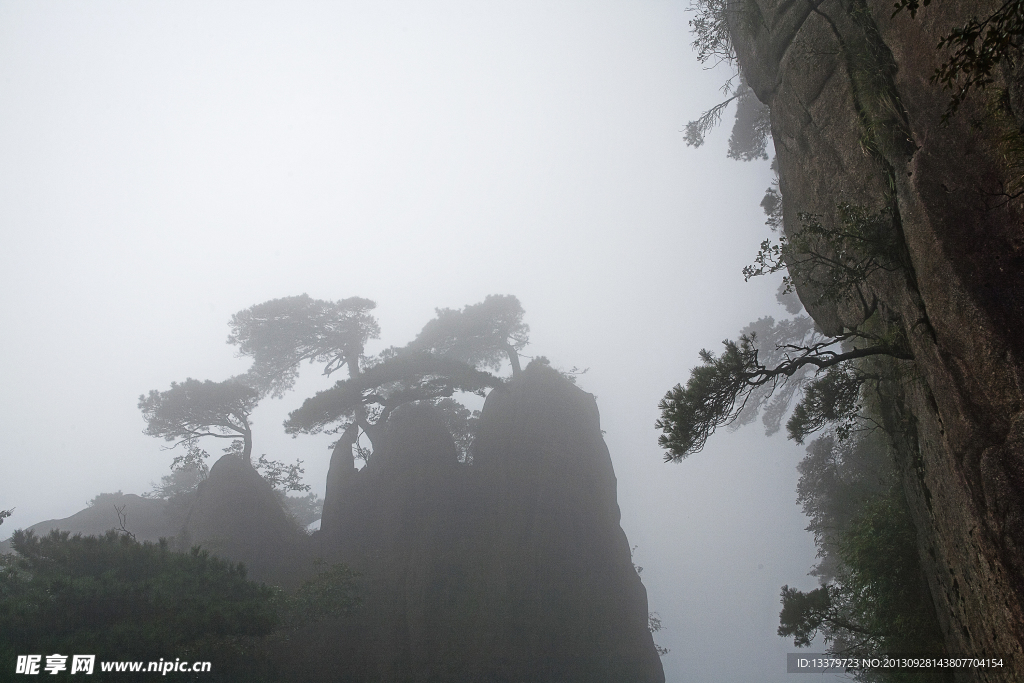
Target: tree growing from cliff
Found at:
402, 377
447, 356
282, 333
122, 598
751, 130
834, 259
480, 335
713, 43
976, 48
873, 599
720, 387
772, 340
710, 28
192, 410
119, 598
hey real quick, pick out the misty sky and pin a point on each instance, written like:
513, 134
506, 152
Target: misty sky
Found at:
166, 164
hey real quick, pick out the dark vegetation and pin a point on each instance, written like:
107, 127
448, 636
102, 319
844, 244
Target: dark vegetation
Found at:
873, 599
121, 599
420, 525
976, 49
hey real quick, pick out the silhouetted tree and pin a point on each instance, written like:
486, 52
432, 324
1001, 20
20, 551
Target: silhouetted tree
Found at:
402, 377
832, 398
720, 387
710, 28
191, 410
976, 49
772, 340
281, 476
480, 335
446, 357
835, 259
282, 333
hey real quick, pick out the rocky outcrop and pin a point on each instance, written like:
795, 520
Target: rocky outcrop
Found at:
237, 515
513, 568
147, 518
857, 121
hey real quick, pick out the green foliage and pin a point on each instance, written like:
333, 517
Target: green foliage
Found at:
123, 600
690, 415
832, 398
803, 614
113, 596
834, 259
873, 599
879, 604
884, 583
720, 388
282, 333
837, 479
4, 514
976, 49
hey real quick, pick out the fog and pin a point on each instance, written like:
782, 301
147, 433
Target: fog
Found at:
166, 164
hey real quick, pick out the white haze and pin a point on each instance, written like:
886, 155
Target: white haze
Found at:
165, 164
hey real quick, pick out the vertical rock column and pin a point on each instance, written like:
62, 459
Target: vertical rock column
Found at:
564, 602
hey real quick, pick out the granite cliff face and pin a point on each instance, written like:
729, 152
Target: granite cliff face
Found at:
513, 568
856, 121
